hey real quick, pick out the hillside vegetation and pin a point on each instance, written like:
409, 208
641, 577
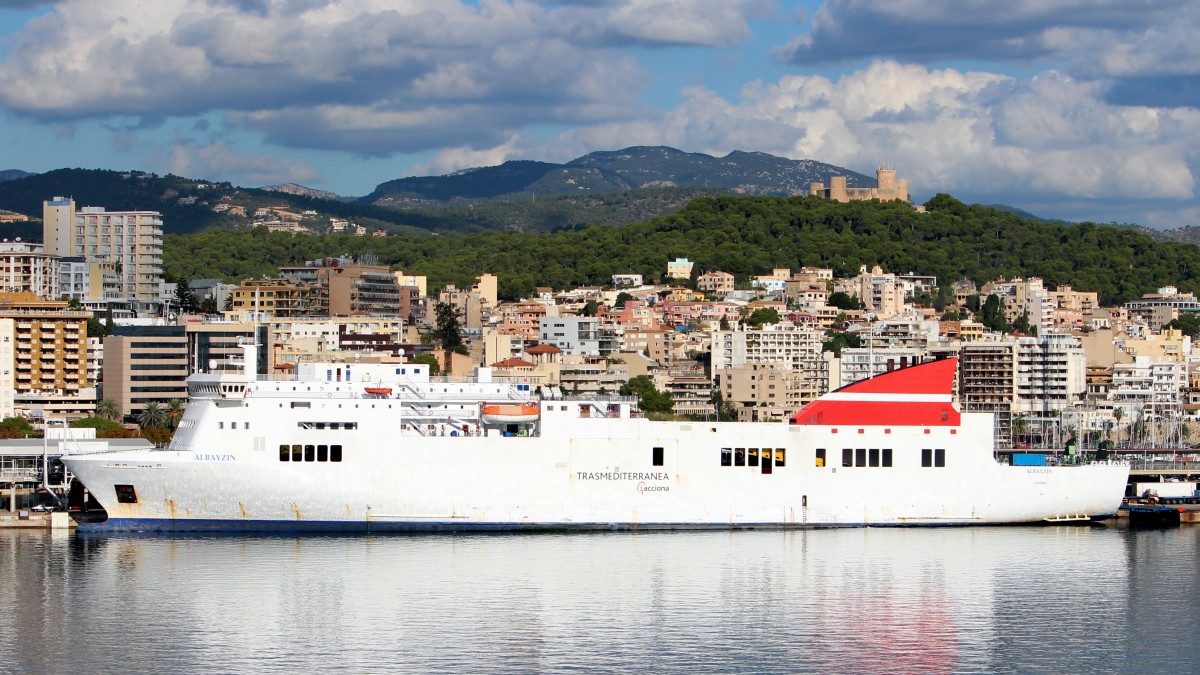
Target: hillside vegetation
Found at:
187, 205
743, 236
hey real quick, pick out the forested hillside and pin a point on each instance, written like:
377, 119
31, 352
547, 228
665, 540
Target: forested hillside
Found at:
744, 236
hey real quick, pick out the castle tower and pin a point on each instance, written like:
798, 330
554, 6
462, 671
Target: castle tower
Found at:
837, 189
885, 179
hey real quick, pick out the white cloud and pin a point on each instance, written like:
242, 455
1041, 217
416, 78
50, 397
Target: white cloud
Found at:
449, 160
219, 161
847, 30
335, 63
714, 23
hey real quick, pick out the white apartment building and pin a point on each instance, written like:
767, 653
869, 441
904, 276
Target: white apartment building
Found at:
626, 280
785, 344
1147, 381
27, 268
899, 332
575, 335
773, 282
129, 241
1051, 373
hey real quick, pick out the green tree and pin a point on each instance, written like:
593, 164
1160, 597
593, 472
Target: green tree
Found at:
843, 300
157, 434
209, 305
185, 297
15, 427
590, 308
761, 316
622, 297
108, 409
102, 425
838, 340
991, 315
1021, 325
448, 330
430, 360
650, 399
724, 325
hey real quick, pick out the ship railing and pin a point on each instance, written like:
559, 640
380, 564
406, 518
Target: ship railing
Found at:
96, 448
1142, 464
600, 398
444, 426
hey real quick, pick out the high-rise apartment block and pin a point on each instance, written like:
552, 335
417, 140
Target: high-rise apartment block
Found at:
43, 358
129, 241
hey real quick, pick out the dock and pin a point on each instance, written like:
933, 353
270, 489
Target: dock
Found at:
47, 520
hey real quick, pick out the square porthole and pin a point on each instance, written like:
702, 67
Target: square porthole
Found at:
126, 494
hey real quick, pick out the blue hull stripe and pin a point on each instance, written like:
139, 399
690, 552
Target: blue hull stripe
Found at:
358, 526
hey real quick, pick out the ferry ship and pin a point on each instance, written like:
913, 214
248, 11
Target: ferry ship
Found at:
370, 447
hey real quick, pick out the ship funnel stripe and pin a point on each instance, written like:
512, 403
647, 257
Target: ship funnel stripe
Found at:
888, 398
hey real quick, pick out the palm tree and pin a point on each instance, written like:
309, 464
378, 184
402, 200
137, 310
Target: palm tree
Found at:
108, 409
152, 415
1020, 426
174, 412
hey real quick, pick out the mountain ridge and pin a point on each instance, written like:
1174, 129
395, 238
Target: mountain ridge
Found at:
739, 172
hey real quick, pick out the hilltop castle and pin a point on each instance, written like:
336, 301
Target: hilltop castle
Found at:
888, 189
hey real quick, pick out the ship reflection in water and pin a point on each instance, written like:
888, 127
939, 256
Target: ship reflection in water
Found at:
1059, 599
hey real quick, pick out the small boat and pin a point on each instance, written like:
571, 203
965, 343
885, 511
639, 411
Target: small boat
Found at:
510, 414
1153, 515
379, 391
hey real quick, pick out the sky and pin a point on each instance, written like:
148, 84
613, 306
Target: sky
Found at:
1072, 109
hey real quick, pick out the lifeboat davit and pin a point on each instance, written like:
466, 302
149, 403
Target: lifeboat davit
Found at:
514, 413
379, 391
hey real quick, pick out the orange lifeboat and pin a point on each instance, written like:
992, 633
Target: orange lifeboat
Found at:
379, 391
514, 413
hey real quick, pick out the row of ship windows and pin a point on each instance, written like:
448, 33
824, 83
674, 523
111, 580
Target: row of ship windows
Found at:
328, 425
881, 457
766, 458
310, 453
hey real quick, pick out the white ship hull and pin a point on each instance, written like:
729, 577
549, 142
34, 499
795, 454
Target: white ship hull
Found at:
574, 470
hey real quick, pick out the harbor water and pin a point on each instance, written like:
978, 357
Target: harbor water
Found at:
999, 599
